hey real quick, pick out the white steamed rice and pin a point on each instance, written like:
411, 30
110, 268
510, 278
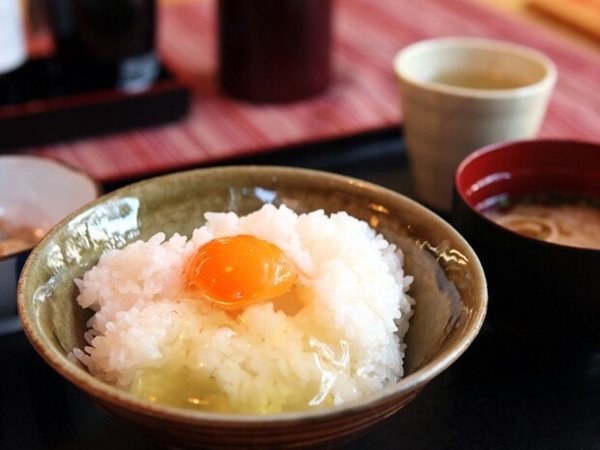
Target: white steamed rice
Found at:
342, 340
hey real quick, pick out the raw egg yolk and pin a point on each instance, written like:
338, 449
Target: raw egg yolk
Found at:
237, 271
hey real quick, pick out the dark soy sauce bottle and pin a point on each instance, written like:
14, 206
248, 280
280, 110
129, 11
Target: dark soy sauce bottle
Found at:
103, 44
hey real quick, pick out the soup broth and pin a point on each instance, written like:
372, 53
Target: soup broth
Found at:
558, 218
14, 239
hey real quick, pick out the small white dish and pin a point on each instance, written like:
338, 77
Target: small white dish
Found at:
35, 192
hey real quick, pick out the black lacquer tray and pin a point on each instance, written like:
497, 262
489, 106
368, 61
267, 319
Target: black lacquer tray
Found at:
46, 110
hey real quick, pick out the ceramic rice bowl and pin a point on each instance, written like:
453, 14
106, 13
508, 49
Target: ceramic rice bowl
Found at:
449, 286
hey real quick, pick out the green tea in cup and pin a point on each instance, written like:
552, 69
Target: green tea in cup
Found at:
478, 80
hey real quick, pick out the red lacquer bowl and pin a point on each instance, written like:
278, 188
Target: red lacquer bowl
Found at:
545, 293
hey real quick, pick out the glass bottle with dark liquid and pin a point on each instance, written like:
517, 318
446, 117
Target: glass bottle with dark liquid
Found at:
274, 50
106, 43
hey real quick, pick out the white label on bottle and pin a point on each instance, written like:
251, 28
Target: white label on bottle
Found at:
12, 37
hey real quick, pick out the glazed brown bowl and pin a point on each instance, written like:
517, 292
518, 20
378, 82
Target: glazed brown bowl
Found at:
449, 287
541, 293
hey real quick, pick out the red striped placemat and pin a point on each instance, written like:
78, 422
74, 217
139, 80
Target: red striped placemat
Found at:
363, 95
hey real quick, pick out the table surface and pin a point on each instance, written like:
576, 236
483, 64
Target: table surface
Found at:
529, 10
496, 396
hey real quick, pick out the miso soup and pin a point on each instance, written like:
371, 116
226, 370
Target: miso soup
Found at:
566, 219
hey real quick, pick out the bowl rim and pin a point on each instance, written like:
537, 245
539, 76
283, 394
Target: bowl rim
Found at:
525, 144
106, 393
56, 164
477, 43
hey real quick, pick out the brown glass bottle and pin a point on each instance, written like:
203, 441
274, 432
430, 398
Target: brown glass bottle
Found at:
274, 50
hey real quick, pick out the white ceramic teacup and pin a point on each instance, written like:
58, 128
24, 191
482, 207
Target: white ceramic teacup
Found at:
461, 93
